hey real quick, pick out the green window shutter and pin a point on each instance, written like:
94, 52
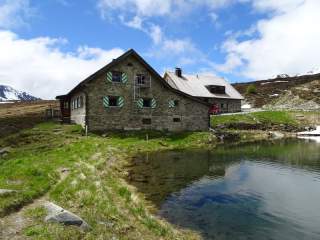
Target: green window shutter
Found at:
109, 77
171, 104
140, 103
106, 102
124, 78
120, 101
153, 103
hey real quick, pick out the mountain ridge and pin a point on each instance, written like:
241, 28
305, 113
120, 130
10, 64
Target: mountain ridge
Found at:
8, 93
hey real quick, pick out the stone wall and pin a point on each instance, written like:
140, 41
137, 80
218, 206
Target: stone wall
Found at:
192, 114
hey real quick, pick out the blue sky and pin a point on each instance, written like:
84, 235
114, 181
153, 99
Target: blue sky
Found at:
54, 44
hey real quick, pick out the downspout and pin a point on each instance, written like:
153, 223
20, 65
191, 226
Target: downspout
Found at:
86, 111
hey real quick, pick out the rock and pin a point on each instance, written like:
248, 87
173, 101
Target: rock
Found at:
6, 192
59, 215
4, 151
276, 135
64, 170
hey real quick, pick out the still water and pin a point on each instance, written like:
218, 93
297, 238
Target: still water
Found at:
259, 191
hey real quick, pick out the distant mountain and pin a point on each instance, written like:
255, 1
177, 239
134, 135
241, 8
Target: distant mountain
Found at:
283, 92
8, 93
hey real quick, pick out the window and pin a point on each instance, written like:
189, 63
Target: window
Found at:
146, 121
176, 119
146, 102
66, 105
217, 89
81, 101
116, 76
141, 79
78, 102
176, 103
113, 101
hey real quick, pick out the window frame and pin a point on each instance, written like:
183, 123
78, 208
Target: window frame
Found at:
113, 98
150, 102
139, 80
146, 121
217, 89
115, 72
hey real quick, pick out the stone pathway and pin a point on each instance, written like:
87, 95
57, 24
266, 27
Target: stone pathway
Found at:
11, 226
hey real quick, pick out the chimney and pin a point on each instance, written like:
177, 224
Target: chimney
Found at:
178, 72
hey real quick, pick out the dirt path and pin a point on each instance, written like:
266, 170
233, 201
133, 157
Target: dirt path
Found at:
12, 225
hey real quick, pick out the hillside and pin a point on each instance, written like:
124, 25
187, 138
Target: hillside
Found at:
8, 93
289, 93
21, 115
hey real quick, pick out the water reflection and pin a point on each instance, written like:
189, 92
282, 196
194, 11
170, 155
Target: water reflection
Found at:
259, 191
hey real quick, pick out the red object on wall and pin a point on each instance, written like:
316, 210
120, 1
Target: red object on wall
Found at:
214, 109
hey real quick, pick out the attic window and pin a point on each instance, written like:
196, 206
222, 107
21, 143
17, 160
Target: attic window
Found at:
141, 79
217, 89
116, 76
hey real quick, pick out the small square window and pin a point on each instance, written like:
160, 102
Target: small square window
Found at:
176, 119
113, 101
141, 79
116, 76
146, 121
66, 105
147, 102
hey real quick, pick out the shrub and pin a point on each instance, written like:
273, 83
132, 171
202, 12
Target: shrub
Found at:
251, 89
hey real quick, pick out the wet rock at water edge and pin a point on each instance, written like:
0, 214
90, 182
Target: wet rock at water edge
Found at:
59, 215
275, 135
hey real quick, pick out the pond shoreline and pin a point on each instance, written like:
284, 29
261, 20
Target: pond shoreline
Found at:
150, 172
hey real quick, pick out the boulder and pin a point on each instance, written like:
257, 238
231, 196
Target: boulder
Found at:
276, 135
4, 151
59, 215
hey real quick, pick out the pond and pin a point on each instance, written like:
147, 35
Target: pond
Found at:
269, 190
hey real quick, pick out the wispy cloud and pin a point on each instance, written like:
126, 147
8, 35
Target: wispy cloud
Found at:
13, 13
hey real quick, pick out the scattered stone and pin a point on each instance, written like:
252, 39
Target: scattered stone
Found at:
4, 151
4, 192
276, 135
65, 170
57, 214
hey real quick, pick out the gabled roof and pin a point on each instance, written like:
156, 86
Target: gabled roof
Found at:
127, 54
196, 85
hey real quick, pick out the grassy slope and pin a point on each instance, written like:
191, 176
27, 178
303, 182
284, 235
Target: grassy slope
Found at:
23, 115
94, 188
267, 119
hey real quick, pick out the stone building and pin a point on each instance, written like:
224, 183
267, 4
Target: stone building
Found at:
214, 90
128, 94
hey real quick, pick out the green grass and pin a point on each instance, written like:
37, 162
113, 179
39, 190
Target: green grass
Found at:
94, 188
265, 118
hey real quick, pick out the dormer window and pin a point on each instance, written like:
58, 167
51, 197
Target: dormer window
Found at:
215, 89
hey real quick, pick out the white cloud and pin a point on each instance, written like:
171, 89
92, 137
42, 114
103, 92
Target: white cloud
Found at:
14, 12
152, 8
40, 67
280, 6
288, 42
